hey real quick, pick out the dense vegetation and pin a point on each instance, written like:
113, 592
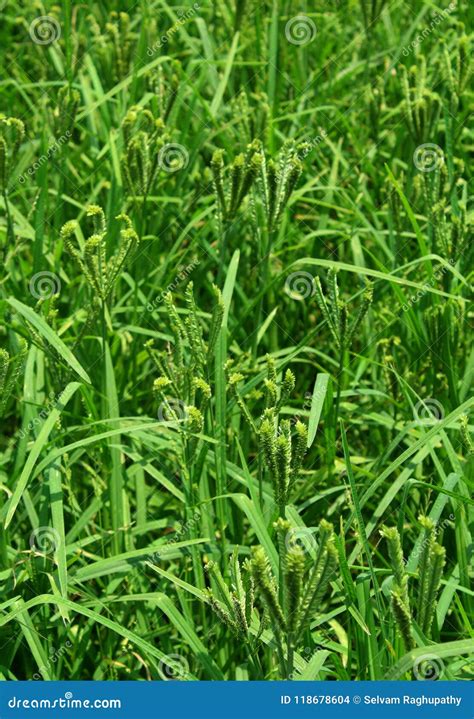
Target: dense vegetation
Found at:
236, 359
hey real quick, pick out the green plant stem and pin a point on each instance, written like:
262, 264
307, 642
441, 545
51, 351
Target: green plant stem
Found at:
340, 378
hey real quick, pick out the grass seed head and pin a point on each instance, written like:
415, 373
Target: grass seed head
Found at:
294, 573
12, 133
265, 587
403, 619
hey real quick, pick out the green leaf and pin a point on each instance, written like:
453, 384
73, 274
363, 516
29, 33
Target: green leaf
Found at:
216, 103
9, 508
50, 336
317, 402
258, 524
124, 562
313, 668
436, 651
75, 608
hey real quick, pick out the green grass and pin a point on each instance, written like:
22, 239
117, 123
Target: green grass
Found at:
236, 341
